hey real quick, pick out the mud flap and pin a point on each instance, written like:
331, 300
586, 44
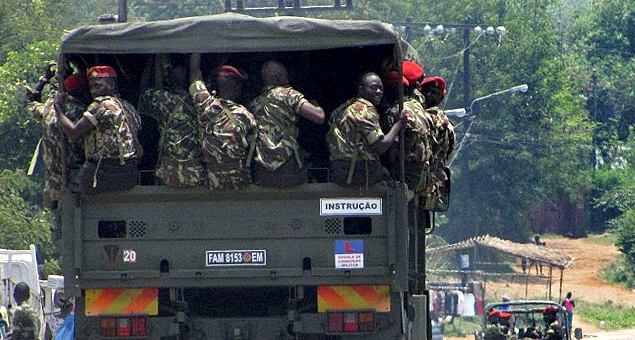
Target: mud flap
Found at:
419, 322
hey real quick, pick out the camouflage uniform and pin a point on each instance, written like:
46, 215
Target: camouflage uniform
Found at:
225, 128
418, 141
114, 138
26, 323
353, 130
53, 140
494, 332
277, 109
354, 127
442, 147
180, 160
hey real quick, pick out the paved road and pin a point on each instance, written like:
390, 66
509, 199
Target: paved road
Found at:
628, 334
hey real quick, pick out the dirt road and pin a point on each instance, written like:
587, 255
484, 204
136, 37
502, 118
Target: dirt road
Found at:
582, 278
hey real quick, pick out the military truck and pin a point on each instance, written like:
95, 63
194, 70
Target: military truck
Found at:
311, 262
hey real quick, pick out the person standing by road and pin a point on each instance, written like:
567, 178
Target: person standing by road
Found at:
569, 305
26, 322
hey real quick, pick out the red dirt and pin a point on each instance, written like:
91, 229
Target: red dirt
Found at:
582, 278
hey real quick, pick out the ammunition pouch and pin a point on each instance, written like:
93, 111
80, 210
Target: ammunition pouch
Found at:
105, 176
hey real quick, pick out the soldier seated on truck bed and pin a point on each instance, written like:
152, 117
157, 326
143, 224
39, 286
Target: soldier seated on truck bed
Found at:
278, 157
225, 126
180, 161
355, 138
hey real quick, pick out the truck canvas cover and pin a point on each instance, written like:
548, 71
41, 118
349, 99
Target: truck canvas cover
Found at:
227, 33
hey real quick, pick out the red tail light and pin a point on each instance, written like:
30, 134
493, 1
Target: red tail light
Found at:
138, 326
108, 327
124, 327
351, 322
336, 322
366, 321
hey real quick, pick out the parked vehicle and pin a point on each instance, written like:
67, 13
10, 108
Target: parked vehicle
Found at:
19, 266
527, 319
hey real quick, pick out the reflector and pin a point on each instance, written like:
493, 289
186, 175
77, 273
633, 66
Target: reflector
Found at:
335, 322
108, 327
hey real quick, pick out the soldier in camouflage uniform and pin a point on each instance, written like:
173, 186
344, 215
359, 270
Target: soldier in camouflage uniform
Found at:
418, 139
180, 160
226, 127
26, 321
433, 89
355, 137
58, 153
278, 157
109, 125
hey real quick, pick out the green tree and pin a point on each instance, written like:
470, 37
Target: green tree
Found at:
23, 223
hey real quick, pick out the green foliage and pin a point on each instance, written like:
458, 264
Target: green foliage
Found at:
463, 326
614, 316
606, 238
625, 234
619, 273
21, 222
19, 134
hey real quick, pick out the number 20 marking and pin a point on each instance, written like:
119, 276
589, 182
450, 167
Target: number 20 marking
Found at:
129, 255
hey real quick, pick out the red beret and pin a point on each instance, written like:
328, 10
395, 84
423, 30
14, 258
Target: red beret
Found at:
391, 79
494, 312
412, 71
101, 72
549, 310
75, 82
435, 81
230, 71
504, 315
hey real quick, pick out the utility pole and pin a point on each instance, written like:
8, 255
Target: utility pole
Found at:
122, 12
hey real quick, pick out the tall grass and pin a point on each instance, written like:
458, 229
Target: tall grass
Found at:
614, 316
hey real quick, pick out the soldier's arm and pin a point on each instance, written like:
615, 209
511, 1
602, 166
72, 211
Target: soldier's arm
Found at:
72, 130
312, 112
195, 68
383, 144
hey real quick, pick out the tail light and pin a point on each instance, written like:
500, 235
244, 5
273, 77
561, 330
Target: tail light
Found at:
108, 327
351, 322
123, 327
138, 327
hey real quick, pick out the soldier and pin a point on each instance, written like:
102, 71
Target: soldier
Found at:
76, 99
355, 137
26, 321
109, 128
418, 139
433, 89
493, 330
225, 127
180, 160
278, 158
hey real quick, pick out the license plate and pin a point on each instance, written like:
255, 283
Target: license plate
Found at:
214, 258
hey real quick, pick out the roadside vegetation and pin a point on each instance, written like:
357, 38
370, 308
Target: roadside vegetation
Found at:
571, 130
607, 315
462, 327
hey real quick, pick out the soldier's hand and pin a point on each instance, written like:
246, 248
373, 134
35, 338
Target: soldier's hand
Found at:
31, 95
50, 72
405, 116
59, 102
444, 123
